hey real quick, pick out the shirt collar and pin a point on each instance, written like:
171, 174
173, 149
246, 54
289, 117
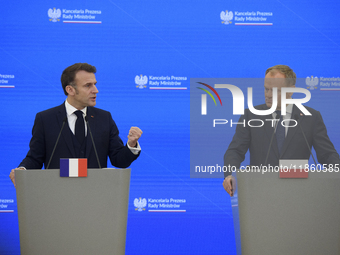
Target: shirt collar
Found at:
289, 109
71, 109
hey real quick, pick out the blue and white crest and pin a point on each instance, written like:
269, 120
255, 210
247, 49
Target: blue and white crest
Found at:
54, 14
141, 81
226, 17
139, 204
312, 82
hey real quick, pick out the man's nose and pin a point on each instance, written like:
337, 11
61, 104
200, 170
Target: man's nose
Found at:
95, 90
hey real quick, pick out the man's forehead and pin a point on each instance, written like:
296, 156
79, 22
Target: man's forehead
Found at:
276, 81
275, 73
85, 77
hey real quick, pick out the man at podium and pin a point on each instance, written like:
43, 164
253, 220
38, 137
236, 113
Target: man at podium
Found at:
72, 122
287, 142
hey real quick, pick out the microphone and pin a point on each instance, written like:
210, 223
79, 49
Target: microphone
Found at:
296, 117
271, 139
56, 143
94, 146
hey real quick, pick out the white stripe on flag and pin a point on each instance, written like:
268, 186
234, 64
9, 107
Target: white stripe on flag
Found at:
73, 167
293, 163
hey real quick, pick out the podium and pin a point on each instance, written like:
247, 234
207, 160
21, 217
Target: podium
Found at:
287, 216
64, 215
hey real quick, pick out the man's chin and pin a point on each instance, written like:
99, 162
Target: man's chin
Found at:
269, 105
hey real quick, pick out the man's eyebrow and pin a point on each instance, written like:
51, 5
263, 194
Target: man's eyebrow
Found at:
90, 83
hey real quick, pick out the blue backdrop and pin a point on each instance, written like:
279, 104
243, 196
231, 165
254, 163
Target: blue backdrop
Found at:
169, 42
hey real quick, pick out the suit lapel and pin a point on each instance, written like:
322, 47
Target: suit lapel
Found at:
91, 120
66, 133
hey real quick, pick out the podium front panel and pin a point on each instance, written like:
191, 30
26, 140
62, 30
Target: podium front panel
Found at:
63, 215
287, 216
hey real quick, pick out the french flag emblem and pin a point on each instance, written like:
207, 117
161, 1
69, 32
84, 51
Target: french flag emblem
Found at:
73, 167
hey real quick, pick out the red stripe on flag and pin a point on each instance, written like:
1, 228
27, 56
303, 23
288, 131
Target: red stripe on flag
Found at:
82, 167
294, 173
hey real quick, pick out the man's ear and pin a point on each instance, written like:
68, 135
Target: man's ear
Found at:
70, 90
289, 95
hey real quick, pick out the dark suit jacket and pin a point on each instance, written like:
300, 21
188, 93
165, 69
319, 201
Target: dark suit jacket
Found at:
47, 126
257, 140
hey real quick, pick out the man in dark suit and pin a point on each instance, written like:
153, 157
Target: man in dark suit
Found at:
293, 144
79, 84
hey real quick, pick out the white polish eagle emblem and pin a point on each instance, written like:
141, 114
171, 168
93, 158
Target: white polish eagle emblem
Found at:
139, 204
54, 14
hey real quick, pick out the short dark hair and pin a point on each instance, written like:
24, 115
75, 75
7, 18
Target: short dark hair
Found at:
68, 75
286, 70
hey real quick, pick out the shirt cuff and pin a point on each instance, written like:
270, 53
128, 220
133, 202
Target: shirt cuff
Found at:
134, 150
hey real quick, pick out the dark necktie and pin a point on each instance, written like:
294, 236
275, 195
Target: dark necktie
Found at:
80, 127
280, 132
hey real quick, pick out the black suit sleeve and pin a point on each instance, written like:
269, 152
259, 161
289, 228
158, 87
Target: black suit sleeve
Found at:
120, 155
239, 145
35, 157
324, 148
